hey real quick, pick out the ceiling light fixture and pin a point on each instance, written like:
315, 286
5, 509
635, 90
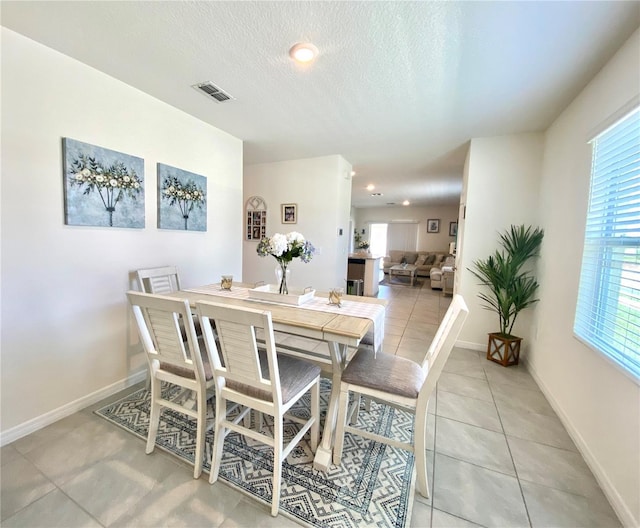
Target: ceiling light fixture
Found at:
353, 173
303, 52
371, 187
406, 202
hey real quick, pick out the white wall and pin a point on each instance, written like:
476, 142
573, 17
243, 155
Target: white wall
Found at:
599, 404
501, 188
66, 333
363, 216
322, 189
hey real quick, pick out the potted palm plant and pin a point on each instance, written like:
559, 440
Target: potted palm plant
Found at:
511, 289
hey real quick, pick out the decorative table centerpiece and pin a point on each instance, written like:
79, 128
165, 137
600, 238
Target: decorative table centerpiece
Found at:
284, 248
362, 246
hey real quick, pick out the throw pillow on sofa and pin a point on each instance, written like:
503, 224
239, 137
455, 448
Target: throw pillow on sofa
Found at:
430, 260
411, 257
422, 257
438, 261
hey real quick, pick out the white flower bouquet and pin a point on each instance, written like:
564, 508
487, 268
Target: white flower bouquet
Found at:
284, 248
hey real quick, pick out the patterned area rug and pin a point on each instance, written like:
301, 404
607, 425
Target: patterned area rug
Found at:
373, 486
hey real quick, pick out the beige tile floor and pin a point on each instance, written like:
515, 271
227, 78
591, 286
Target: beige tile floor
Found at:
498, 456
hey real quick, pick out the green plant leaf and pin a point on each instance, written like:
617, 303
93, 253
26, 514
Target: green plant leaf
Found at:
510, 289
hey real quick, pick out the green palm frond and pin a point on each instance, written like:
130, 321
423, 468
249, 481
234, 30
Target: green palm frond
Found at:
511, 290
521, 243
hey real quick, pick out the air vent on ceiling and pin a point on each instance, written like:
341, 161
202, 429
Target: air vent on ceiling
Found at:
391, 203
211, 90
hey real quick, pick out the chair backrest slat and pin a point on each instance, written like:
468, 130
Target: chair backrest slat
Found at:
161, 285
166, 334
240, 351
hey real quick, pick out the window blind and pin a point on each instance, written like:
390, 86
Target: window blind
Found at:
402, 236
608, 306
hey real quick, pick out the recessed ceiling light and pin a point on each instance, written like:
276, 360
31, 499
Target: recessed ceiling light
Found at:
371, 187
406, 202
353, 173
303, 52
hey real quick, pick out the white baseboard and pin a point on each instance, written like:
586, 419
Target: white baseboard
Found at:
30, 426
472, 346
617, 503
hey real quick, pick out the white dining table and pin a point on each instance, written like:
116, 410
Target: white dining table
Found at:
342, 328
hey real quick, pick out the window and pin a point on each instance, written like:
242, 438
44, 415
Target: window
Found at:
608, 308
402, 236
378, 239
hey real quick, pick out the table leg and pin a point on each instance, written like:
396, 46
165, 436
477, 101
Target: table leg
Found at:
324, 453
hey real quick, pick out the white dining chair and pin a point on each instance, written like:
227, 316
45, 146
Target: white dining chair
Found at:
261, 380
401, 383
162, 280
162, 324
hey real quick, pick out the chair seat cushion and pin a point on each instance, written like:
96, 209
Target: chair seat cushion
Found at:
384, 372
295, 375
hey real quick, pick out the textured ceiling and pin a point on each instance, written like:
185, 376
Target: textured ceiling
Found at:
398, 90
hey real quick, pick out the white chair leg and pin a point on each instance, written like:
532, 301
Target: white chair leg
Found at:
201, 429
154, 419
218, 439
315, 413
277, 462
343, 403
420, 451
353, 419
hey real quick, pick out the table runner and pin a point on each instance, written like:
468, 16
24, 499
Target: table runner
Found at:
374, 312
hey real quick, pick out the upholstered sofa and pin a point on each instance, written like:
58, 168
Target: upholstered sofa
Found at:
436, 274
424, 260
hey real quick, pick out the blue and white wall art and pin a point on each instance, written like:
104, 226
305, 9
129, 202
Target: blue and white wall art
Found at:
102, 187
182, 199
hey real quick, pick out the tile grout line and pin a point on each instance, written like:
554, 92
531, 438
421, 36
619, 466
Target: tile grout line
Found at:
515, 468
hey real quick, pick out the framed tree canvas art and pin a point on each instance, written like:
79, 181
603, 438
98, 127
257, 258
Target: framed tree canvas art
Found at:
102, 187
182, 199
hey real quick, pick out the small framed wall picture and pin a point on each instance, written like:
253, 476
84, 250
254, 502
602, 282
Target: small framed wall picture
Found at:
433, 225
453, 229
289, 213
